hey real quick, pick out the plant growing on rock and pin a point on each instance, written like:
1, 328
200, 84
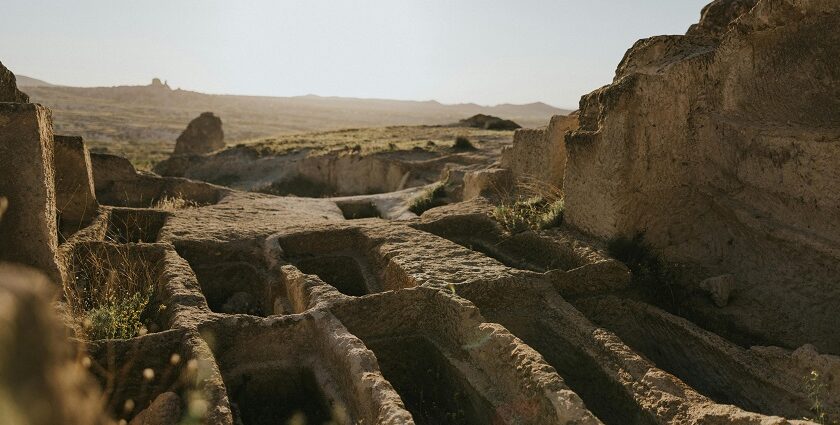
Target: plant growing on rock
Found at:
430, 198
539, 206
110, 292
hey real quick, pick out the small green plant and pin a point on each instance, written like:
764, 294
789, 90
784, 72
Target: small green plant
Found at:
430, 198
816, 390
535, 213
463, 144
110, 291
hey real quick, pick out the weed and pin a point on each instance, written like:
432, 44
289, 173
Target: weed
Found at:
172, 203
463, 144
816, 390
430, 198
537, 206
110, 291
534, 213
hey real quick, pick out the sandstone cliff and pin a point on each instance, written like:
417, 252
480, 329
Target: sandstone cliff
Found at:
722, 146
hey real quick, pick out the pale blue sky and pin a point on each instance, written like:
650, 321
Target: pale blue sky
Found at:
481, 51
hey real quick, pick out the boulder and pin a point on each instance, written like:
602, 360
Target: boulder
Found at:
74, 190
28, 232
488, 122
203, 135
8, 87
724, 151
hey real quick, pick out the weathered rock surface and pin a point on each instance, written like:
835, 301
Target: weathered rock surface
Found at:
203, 135
8, 87
540, 153
165, 410
75, 194
724, 150
717, 15
28, 232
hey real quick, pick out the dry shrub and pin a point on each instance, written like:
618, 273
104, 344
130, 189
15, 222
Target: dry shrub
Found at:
110, 291
533, 205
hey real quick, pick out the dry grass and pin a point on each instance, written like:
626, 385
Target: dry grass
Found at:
111, 290
173, 203
430, 198
373, 140
533, 205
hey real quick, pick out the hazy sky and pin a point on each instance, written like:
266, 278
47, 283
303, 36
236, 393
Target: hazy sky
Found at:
483, 51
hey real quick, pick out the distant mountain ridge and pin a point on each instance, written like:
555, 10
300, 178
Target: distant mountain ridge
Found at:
144, 121
24, 81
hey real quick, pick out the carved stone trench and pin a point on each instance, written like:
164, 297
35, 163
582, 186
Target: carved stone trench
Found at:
368, 321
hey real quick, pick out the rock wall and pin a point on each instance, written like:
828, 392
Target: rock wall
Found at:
28, 233
723, 147
539, 153
75, 195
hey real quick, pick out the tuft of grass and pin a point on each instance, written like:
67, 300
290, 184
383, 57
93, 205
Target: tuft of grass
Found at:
537, 206
535, 213
110, 291
172, 203
463, 144
431, 198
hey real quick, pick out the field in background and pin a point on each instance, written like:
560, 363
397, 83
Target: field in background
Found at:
142, 122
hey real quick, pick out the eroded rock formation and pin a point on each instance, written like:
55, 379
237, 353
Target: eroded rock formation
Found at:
203, 135
8, 87
540, 153
722, 146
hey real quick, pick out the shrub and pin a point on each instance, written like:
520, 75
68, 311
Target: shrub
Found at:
463, 144
650, 273
430, 198
110, 292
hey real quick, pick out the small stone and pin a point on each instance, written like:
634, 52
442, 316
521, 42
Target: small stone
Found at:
164, 410
719, 288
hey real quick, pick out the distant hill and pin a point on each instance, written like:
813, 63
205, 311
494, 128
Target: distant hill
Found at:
142, 122
24, 81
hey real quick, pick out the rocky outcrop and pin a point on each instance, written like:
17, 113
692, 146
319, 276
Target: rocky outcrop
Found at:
540, 153
8, 87
723, 149
75, 195
488, 122
203, 135
717, 15
28, 233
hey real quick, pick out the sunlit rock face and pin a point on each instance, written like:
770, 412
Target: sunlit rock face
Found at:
722, 146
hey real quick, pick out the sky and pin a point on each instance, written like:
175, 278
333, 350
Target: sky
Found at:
452, 51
